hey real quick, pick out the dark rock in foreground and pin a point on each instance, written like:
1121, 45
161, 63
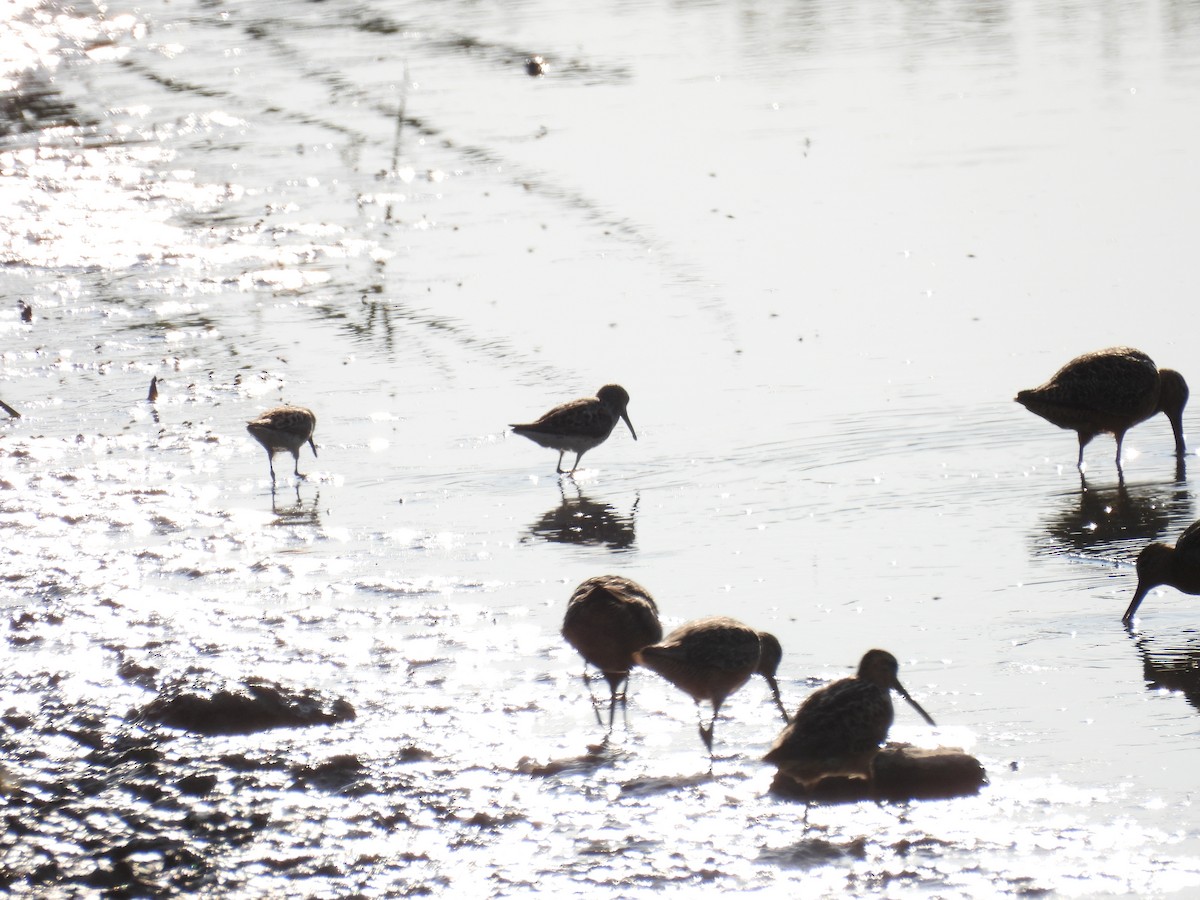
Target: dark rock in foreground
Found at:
902, 772
256, 704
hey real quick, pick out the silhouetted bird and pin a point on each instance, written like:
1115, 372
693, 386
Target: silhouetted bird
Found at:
1177, 566
608, 619
838, 729
284, 428
1109, 391
711, 658
580, 425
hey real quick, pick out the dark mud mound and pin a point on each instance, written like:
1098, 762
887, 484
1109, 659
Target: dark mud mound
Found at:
207, 705
902, 772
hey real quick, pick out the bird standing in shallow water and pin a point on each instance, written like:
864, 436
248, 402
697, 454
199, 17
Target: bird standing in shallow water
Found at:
838, 729
284, 428
1177, 566
1109, 391
608, 619
579, 425
711, 658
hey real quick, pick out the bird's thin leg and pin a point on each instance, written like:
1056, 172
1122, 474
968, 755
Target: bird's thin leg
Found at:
620, 696
271, 465
578, 457
706, 733
558, 468
1083, 442
587, 683
296, 468
1120, 441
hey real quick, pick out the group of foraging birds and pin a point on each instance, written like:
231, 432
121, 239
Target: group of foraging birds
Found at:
837, 731
1103, 392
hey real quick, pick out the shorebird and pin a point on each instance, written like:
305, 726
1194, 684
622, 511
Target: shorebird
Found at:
711, 658
839, 728
579, 425
284, 428
609, 618
1109, 391
1177, 566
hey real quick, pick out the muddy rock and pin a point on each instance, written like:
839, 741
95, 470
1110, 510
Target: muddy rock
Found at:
902, 772
207, 705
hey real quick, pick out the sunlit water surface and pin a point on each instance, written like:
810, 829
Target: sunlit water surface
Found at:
821, 244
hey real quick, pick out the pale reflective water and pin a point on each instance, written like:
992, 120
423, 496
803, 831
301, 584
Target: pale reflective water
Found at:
822, 245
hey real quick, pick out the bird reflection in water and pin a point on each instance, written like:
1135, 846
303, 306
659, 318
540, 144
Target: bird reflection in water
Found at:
1112, 515
302, 512
1173, 668
578, 520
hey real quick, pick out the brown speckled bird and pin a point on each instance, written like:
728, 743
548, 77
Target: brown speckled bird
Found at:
1109, 391
284, 428
608, 619
838, 729
1176, 566
579, 425
711, 658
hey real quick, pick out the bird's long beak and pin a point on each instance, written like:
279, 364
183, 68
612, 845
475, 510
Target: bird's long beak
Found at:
1138, 596
914, 704
625, 416
778, 701
314, 446
1177, 427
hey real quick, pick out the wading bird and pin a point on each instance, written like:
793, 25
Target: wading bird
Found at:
711, 658
1109, 391
284, 428
579, 425
838, 729
608, 619
1177, 566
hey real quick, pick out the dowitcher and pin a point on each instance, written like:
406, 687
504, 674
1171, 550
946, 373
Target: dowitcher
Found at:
838, 729
580, 425
711, 658
609, 618
1109, 391
284, 428
1177, 566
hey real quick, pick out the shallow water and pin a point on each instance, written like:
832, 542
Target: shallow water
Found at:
822, 247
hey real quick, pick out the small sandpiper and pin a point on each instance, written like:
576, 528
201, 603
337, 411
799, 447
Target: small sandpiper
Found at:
1109, 391
580, 425
711, 658
284, 428
608, 619
838, 729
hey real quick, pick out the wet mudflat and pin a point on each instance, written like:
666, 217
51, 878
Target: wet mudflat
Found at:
821, 247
